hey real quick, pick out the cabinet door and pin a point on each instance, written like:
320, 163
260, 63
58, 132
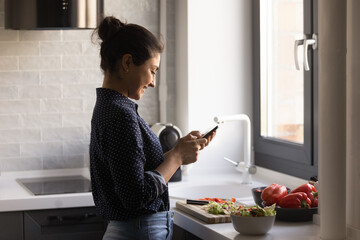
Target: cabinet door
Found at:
59, 224
11, 225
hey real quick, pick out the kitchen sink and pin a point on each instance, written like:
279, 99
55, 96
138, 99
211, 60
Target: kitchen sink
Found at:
56, 185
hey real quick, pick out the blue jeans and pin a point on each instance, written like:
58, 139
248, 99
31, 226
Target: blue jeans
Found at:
148, 227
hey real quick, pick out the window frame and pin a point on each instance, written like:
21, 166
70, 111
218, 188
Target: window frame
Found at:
275, 154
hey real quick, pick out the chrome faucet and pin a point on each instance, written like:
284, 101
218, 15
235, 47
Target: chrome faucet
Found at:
246, 166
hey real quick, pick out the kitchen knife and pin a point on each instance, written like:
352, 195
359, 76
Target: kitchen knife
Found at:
196, 202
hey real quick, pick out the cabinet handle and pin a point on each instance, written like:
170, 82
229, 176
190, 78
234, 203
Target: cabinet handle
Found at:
312, 41
296, 46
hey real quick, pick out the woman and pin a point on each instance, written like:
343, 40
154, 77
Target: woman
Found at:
129, 171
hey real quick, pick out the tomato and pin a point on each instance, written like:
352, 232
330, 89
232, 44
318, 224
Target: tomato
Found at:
218, 200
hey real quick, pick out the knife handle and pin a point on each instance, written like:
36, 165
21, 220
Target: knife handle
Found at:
197, 202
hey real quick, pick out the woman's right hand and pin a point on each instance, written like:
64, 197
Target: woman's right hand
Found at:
189, 146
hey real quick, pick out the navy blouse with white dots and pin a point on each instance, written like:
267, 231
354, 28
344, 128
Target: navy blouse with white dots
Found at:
124, 153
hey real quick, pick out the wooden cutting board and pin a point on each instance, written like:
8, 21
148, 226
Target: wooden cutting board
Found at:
199, 213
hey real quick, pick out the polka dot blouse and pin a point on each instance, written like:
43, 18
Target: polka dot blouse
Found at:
124, 153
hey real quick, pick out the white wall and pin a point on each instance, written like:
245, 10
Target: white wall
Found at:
214, 38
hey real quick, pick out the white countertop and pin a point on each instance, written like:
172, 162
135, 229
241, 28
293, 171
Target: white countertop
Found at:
13, 197
226, 231
221, 231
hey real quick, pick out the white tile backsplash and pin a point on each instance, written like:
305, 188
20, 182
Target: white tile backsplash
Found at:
40, 35
14, 164
90, 48
39, 62
8, 35
75, 147
63, 161
9, 63
41, 149
47, 89
39, 121
61, 105
9, 92
80, 62
10, 122
9, 150
19, 78
20, 135
19, 106
77, 35
19, 48
80, 90
40, 91
60, 48
76, 119
64, 133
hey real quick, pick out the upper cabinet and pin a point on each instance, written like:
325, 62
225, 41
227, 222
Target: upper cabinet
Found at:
53, 14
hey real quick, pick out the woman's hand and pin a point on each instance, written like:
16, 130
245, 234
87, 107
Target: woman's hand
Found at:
209, 138
188, 147
185, 152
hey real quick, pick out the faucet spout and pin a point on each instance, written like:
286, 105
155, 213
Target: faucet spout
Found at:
246, 167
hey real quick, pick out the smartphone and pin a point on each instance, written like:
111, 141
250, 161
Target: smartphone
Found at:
210, 132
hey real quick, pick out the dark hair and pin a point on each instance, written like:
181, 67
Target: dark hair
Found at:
118, 38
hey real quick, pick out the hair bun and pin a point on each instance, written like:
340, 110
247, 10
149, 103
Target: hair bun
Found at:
109, 27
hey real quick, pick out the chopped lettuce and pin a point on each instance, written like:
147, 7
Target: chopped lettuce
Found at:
255, 211
240, 210
220, 208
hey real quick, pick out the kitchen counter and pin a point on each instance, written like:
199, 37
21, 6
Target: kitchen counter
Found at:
221, 231
226, 231
14, 197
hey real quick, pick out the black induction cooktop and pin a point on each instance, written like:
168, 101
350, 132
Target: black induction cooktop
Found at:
56, 185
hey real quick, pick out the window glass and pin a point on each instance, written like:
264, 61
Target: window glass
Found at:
281, 85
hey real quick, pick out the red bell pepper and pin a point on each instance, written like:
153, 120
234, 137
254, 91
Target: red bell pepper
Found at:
295, 200
273, 194
315, 203
311, 192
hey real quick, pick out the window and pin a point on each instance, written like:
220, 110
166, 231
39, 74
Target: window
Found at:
285, 98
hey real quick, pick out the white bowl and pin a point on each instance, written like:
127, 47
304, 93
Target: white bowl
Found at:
248, 225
